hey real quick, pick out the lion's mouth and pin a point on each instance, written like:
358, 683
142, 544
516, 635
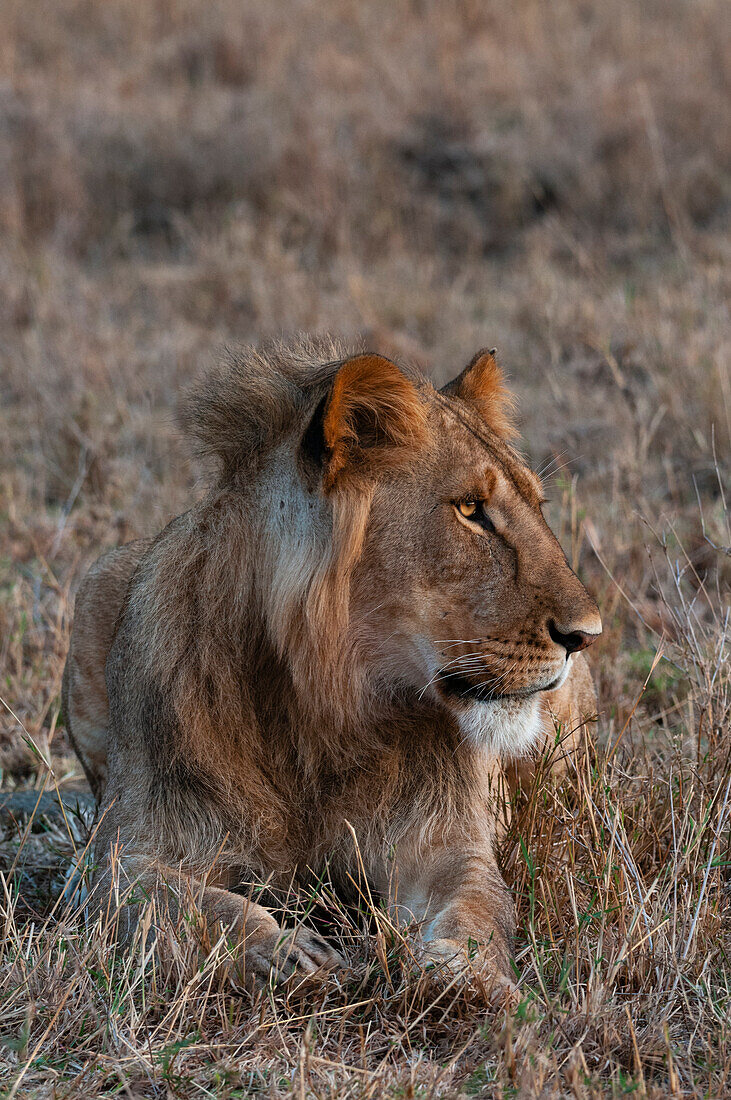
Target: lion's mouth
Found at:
460, 688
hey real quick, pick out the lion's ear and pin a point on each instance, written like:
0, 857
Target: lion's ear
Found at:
482, 385
373, 417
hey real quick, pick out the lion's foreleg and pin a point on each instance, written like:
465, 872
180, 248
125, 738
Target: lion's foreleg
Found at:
464, 910
258, 948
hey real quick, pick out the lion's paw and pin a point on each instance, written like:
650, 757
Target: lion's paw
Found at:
287, 955
449, 962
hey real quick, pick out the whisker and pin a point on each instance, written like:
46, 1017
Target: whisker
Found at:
438, 674
545, 470
496, 681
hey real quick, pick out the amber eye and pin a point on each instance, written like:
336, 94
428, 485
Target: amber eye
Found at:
474, 510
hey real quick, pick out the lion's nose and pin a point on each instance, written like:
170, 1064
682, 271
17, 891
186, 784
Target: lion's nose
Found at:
574, 637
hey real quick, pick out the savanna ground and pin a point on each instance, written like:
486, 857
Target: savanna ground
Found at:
550, 178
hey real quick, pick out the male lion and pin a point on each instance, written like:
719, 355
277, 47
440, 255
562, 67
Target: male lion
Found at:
365, 616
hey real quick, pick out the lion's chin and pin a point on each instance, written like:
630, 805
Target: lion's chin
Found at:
508, 726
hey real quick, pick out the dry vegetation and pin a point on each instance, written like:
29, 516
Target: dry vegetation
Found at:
552, 178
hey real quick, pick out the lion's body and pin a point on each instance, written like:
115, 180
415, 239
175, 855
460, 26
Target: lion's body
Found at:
269, 678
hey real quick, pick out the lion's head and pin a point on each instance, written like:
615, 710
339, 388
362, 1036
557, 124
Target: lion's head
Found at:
400, 549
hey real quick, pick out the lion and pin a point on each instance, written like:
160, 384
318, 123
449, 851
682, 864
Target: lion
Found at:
329, 660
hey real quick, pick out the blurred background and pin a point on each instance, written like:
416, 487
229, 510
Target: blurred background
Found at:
552, 179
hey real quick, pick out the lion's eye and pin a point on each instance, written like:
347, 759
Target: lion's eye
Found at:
475, 510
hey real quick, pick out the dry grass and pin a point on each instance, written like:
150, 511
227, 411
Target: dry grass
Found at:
550, 178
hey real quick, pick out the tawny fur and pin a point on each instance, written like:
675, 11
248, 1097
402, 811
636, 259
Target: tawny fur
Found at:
325, 647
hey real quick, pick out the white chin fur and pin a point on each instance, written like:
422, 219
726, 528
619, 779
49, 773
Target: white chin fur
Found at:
506, 727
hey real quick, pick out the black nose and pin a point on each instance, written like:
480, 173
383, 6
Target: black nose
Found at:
571, 640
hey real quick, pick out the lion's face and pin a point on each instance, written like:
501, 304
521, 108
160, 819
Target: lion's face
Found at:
462, 591
390, 541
